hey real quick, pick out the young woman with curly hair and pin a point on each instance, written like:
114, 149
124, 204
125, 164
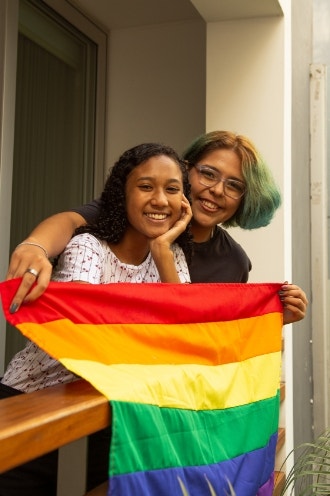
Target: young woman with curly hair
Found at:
140, 236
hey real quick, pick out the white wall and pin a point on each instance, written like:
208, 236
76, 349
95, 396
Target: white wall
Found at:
249, 92
156, 85
245, 91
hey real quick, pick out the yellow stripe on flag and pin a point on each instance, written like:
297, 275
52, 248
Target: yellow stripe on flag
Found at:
195, 387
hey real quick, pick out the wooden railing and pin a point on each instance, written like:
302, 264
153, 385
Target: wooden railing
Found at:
33, 425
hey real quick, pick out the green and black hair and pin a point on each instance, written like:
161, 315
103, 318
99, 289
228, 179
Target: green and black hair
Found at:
262, 196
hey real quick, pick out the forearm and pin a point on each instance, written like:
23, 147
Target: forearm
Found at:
49, 238
55, 232
164, 260
160, 247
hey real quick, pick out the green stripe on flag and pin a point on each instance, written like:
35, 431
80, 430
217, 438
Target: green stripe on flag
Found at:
164, 437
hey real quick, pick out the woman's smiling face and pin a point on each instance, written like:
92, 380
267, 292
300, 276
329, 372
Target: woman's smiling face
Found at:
154, 193
210, 206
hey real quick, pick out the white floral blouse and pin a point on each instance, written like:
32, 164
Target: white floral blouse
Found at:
86, 259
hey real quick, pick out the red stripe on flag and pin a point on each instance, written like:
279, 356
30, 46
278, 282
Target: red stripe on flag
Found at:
153, 302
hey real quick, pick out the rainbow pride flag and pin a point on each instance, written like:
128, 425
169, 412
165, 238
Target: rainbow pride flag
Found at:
191, 371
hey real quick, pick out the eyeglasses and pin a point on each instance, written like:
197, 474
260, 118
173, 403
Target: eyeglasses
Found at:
209, 177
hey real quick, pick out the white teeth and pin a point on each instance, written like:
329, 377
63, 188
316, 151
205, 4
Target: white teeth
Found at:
157, 216
209, 205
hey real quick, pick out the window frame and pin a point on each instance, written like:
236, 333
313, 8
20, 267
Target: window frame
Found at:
100, 37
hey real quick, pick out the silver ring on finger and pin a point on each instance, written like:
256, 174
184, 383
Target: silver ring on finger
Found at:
33, 272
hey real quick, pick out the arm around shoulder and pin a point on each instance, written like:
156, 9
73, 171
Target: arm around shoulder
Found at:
49, 238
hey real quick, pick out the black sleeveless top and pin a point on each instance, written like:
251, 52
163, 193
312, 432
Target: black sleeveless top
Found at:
221, 259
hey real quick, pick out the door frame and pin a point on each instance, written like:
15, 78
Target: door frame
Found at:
319, 248
8, 46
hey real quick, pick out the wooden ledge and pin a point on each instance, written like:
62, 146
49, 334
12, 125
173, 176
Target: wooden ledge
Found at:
101, 490
280, 438
279, 482
68, 411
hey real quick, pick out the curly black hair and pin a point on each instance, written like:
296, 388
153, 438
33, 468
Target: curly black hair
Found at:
112, 221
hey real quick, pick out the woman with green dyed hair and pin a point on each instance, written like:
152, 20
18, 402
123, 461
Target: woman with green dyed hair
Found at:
260, 198
230, 186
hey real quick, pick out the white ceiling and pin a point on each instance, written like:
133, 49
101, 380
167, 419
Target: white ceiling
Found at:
224, 10
127, 13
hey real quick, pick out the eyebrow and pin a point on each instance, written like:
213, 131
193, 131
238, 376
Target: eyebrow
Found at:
152, 178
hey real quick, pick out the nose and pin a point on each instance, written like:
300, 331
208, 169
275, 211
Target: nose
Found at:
159, 198
218, 188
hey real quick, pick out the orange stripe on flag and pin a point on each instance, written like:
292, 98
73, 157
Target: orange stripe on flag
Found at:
206, 344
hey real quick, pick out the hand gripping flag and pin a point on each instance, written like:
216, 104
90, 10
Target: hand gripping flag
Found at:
192, 374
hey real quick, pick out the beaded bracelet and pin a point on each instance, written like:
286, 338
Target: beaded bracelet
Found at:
34, 244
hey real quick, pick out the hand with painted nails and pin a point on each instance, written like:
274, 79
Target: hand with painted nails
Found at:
30, 262
48, 239
294, 302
